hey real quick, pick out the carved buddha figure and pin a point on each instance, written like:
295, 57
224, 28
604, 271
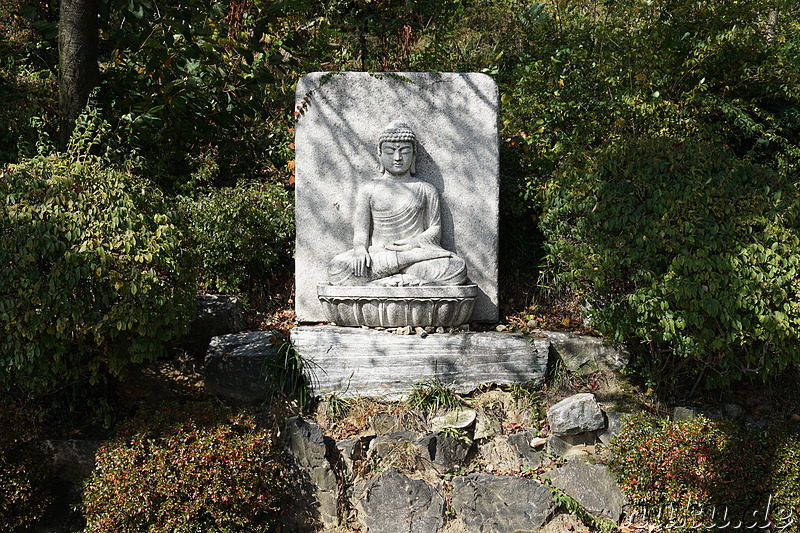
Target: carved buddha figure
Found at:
397, 225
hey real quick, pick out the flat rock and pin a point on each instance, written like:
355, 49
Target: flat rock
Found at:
382, 423
394, 445
357, 361
680, 413
486, 426
615, 421
350, 451
393, 503
501, 504
498, 455
568, 445
733, 412
521, 443
577, 414
454, 418
236, 365
592, 486
584, 354
510, 452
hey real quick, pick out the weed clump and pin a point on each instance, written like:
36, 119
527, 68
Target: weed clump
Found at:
433, 395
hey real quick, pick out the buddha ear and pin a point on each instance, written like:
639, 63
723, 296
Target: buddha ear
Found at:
413, 169
380, 163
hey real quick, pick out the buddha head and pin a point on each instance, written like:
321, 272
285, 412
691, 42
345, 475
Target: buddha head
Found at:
397, 149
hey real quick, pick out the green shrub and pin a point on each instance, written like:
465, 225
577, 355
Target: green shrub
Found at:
94, 277
784, 475
28, 88
192, 467
684, 246
23, 491
215, 88
27, 97
591, 72
243, 235
701, 472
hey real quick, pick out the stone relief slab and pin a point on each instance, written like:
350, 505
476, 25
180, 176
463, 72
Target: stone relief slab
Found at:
446, 146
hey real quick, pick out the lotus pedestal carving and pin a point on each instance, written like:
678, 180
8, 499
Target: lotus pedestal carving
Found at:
377, 306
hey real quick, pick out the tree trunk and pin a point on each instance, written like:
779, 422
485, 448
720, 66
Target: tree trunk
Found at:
77, 58
772, 22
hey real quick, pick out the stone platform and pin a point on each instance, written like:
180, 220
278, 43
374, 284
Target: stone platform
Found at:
366, 362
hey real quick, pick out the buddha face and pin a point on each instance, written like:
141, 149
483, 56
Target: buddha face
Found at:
397, 157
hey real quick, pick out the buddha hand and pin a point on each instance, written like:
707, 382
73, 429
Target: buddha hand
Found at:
403, 245
361, 262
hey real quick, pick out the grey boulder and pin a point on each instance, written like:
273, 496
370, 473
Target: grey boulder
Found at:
236, 366
394, 503
308, 446
584, 354
215, 314
592, 486
501, 504
577, 414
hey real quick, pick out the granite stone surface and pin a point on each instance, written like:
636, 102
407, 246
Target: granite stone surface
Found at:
577, 414
501, 504
584, 354
592, 486
454, 117
394, 503
358, 361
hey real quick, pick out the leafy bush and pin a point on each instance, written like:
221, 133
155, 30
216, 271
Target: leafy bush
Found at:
684, 246
576, 76
23, 492
784, 475
592, 72
26, 97
701, 472
94, 277
191, 81
242, 235
192, 467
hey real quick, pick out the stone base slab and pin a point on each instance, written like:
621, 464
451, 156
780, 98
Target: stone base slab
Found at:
366, 362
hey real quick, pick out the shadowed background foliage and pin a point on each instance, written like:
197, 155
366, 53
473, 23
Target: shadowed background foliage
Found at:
656, 142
